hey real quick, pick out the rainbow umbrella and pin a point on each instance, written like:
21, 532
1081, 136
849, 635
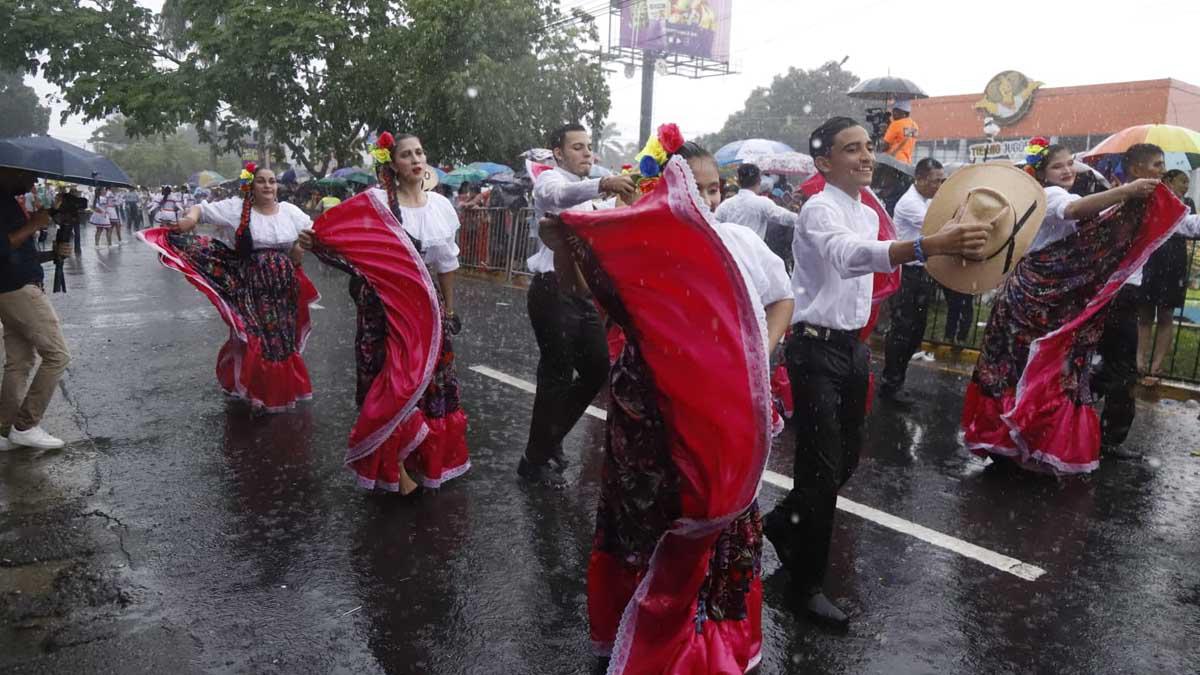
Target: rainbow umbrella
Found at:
1180, 145
206, 178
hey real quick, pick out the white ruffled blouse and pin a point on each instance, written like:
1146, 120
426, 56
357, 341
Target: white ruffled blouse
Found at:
277, 231
435, 226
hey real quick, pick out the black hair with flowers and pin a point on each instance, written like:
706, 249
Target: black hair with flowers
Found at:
243, 241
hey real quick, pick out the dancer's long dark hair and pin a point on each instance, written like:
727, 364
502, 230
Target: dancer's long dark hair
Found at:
243, 241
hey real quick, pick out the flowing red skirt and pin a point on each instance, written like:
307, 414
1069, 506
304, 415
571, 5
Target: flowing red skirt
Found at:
1030, 397
264, 301
673, 582
408, 392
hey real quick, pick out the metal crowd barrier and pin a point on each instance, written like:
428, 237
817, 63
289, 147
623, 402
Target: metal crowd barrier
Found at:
496, 241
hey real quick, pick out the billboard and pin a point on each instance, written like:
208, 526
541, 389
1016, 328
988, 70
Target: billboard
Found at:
698, 28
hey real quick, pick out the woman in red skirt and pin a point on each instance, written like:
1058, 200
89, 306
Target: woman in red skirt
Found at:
418, 228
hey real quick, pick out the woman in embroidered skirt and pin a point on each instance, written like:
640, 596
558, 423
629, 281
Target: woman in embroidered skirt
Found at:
250, 271
674, 579
1031, 398
436, 446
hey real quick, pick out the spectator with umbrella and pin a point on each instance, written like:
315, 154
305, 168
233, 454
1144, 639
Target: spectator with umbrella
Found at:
900, 139
30, 325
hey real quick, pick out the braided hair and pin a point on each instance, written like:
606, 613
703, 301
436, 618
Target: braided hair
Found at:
243, 241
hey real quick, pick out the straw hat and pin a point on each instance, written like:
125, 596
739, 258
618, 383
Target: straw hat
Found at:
429, 180
1005, 197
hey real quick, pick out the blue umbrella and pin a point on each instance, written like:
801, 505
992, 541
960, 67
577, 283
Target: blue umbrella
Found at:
51, 158
489, 168
346, 171
738, 151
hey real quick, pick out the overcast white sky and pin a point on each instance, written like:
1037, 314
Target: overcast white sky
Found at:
945, 46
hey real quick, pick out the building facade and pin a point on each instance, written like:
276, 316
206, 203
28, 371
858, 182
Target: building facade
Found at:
1016, 108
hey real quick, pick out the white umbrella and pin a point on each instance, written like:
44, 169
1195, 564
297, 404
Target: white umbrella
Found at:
784, 164
737, 151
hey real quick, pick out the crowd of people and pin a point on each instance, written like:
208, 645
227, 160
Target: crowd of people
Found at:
773, 274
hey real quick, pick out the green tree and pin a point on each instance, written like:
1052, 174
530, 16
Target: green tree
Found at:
477, 79
21, 113
157, 159
795, 104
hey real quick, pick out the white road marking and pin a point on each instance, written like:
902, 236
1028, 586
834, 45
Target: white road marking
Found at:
966, 549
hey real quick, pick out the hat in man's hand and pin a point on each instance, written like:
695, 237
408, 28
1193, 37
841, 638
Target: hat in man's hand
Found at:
1006, 198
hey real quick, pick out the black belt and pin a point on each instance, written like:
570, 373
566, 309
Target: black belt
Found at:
807, 330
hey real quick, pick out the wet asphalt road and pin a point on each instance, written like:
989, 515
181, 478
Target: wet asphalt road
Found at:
176, 534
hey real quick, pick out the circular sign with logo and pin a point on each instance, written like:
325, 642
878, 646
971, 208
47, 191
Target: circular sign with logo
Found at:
1008, 97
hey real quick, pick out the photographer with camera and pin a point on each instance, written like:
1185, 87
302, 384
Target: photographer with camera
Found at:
30, 324
900, 139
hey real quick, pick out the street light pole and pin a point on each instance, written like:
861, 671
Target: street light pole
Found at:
649, 59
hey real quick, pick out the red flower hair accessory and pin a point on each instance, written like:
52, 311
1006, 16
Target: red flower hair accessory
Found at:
670, 137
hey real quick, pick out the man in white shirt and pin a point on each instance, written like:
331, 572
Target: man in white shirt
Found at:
837, 251
910, 307
751, 209
573, 348
1118, 343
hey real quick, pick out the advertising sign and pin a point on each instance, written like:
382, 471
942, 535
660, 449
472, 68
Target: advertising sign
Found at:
698, 28
1008, 96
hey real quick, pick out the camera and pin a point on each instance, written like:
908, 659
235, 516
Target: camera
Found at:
69, 210
70, 204
879, 119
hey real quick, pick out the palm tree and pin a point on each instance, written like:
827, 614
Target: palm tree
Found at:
609, 148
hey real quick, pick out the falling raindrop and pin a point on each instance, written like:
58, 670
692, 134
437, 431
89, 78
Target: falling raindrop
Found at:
815, 143
472, 92
807, 108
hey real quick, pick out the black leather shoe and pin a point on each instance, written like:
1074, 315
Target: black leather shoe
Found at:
777, 534
821, 610
540, 474
1119, 452
559, 460
413, 496
896, 398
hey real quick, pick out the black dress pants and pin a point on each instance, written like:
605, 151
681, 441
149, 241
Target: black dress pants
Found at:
572, 367
910, 309
1118, 370
960, 316
829, 384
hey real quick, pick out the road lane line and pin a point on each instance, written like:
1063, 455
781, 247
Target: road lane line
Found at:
966, 549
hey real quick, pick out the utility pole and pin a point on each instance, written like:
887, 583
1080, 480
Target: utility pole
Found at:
649, 59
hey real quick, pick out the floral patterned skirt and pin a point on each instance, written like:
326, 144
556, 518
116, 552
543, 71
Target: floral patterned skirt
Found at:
263, 300
1031, 397
442, 455
639, 503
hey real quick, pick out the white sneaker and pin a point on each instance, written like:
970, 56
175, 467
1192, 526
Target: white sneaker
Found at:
34, 437
6, 445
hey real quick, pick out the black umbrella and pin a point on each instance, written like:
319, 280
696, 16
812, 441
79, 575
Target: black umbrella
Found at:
51, 158
884, 88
